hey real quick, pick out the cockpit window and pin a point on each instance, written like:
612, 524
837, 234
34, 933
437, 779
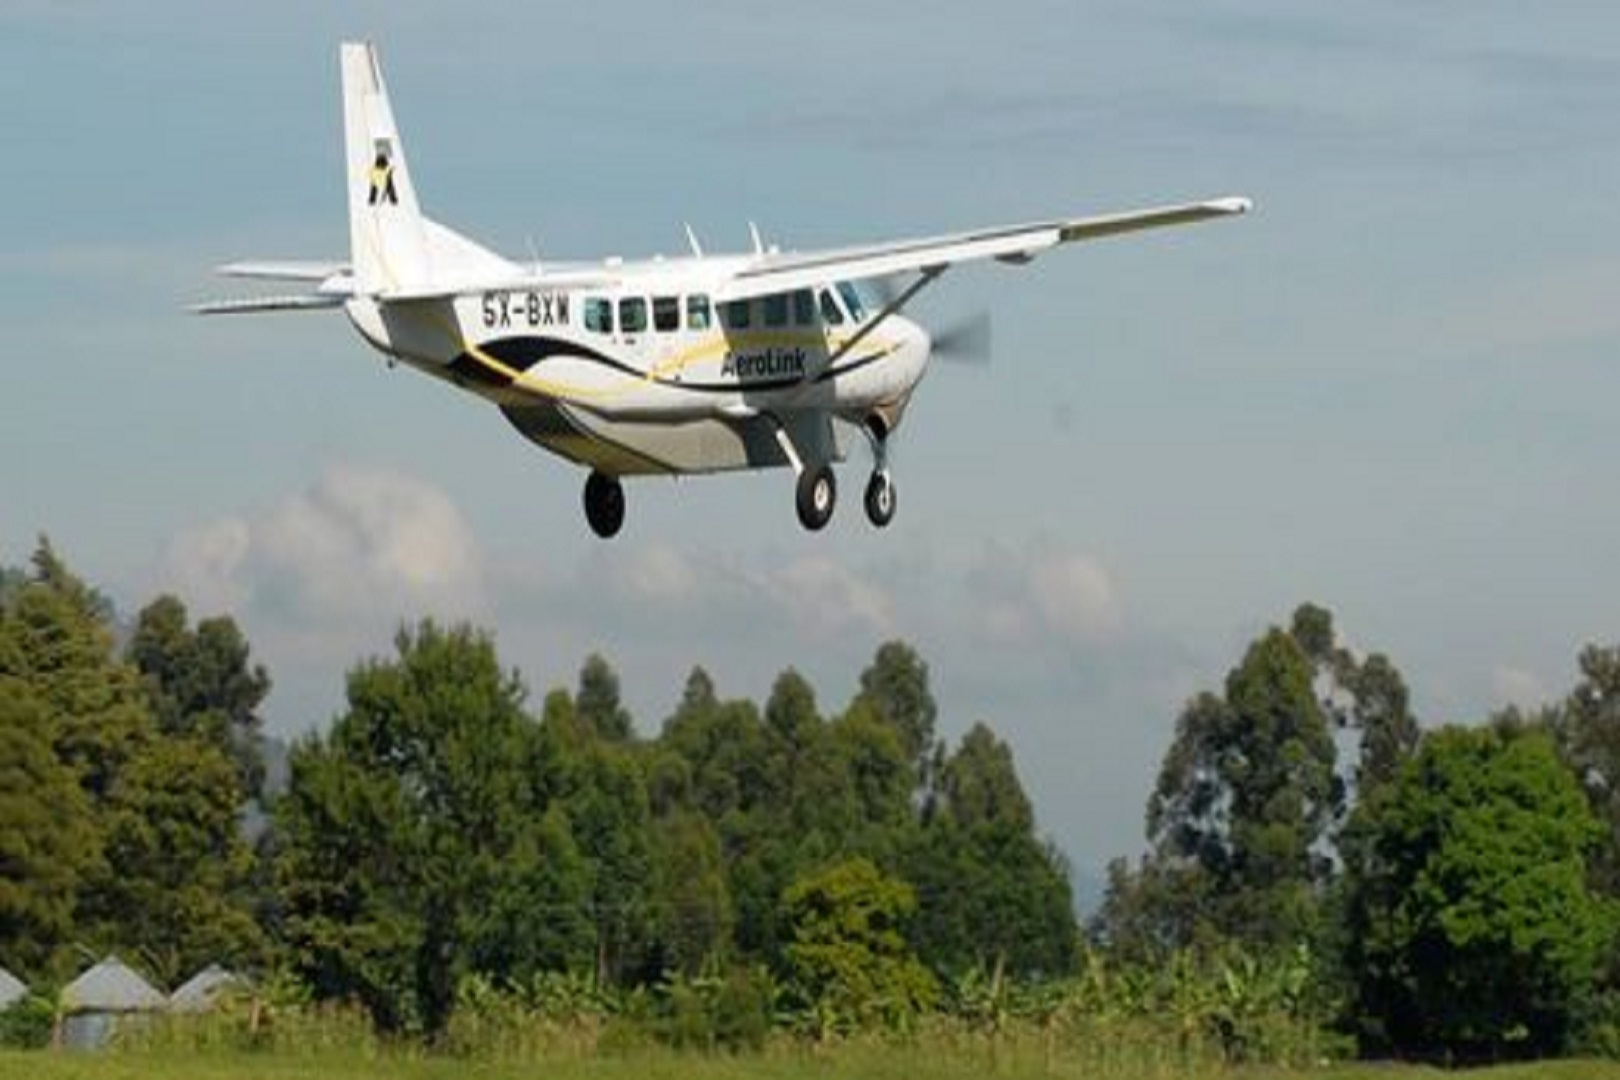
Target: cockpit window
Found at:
831, 314
852, 300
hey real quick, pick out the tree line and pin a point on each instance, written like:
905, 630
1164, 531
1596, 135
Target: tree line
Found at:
446, 828
448, 843
1457, 882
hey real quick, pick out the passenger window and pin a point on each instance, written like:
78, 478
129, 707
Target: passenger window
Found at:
697, 312
599, 315
829, 310
666, 313
804, 307
633, 315
776, 310
736, 315
852, 300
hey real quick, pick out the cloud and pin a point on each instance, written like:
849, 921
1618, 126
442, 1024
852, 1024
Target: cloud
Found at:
659, 585
1034, 593
1517, 687
204, 565
659, 574
358, 544
825, 598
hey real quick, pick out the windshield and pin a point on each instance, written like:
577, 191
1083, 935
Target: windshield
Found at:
852, 301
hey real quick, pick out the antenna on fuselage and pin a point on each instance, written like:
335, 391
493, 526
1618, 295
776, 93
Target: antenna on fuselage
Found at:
691, 238
534, 254
753, 232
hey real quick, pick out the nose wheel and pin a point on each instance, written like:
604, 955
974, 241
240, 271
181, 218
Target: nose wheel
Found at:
880, 498
816, 491
604, 504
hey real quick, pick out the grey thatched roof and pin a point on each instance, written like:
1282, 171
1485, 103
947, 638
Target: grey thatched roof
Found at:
111, 986
11, 989
197, 994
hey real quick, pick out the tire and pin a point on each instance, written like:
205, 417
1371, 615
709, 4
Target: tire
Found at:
880, 498
604, 504
816, 497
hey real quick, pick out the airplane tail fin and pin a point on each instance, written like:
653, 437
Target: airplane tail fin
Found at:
387, 236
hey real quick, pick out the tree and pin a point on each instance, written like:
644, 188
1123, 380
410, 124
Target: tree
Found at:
1247, 793
539, 915
692, 917
203, 685
608, 816
895, 688
48, 843
1378, 705
873, 761
980, 786
848, 956
406, 824
174, 884
1473, 934
61, 646
597, 702
1587, 724
991, 893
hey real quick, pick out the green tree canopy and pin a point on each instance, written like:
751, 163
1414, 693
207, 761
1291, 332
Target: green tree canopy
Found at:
48, 841
174, 884
203, 684
848, 955
1587, 724
406, 823
895, 688
597, 701
991, 893
1472, 930
61, 645
1248, 792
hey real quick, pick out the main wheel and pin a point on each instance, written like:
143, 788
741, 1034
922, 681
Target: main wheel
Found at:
816, 496
880, 498
604, 504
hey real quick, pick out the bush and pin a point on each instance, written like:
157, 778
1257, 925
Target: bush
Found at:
27, 1024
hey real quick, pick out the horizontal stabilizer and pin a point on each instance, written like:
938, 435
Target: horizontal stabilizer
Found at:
285, 269
252, 305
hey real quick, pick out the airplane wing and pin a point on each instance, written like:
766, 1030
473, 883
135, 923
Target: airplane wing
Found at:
786, 272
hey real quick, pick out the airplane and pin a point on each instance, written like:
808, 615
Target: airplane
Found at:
701, 363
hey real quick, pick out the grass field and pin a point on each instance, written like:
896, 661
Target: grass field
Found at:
881, 1063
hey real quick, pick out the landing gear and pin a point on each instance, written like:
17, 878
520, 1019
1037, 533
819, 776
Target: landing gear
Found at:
815, 496
879, 489
604, 504
880, 498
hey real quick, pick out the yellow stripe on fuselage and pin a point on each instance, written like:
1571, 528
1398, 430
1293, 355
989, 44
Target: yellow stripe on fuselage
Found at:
715, 344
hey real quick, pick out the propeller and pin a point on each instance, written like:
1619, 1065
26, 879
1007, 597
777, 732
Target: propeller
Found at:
965, 342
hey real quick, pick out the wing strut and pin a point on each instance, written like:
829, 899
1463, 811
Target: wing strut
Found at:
925, 277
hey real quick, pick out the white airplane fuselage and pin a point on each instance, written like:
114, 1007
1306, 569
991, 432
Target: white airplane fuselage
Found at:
654, 377
698, 364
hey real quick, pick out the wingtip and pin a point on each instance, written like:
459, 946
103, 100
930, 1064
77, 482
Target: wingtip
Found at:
1234, 204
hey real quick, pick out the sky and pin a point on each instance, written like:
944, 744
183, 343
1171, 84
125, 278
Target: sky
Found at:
1393, 389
